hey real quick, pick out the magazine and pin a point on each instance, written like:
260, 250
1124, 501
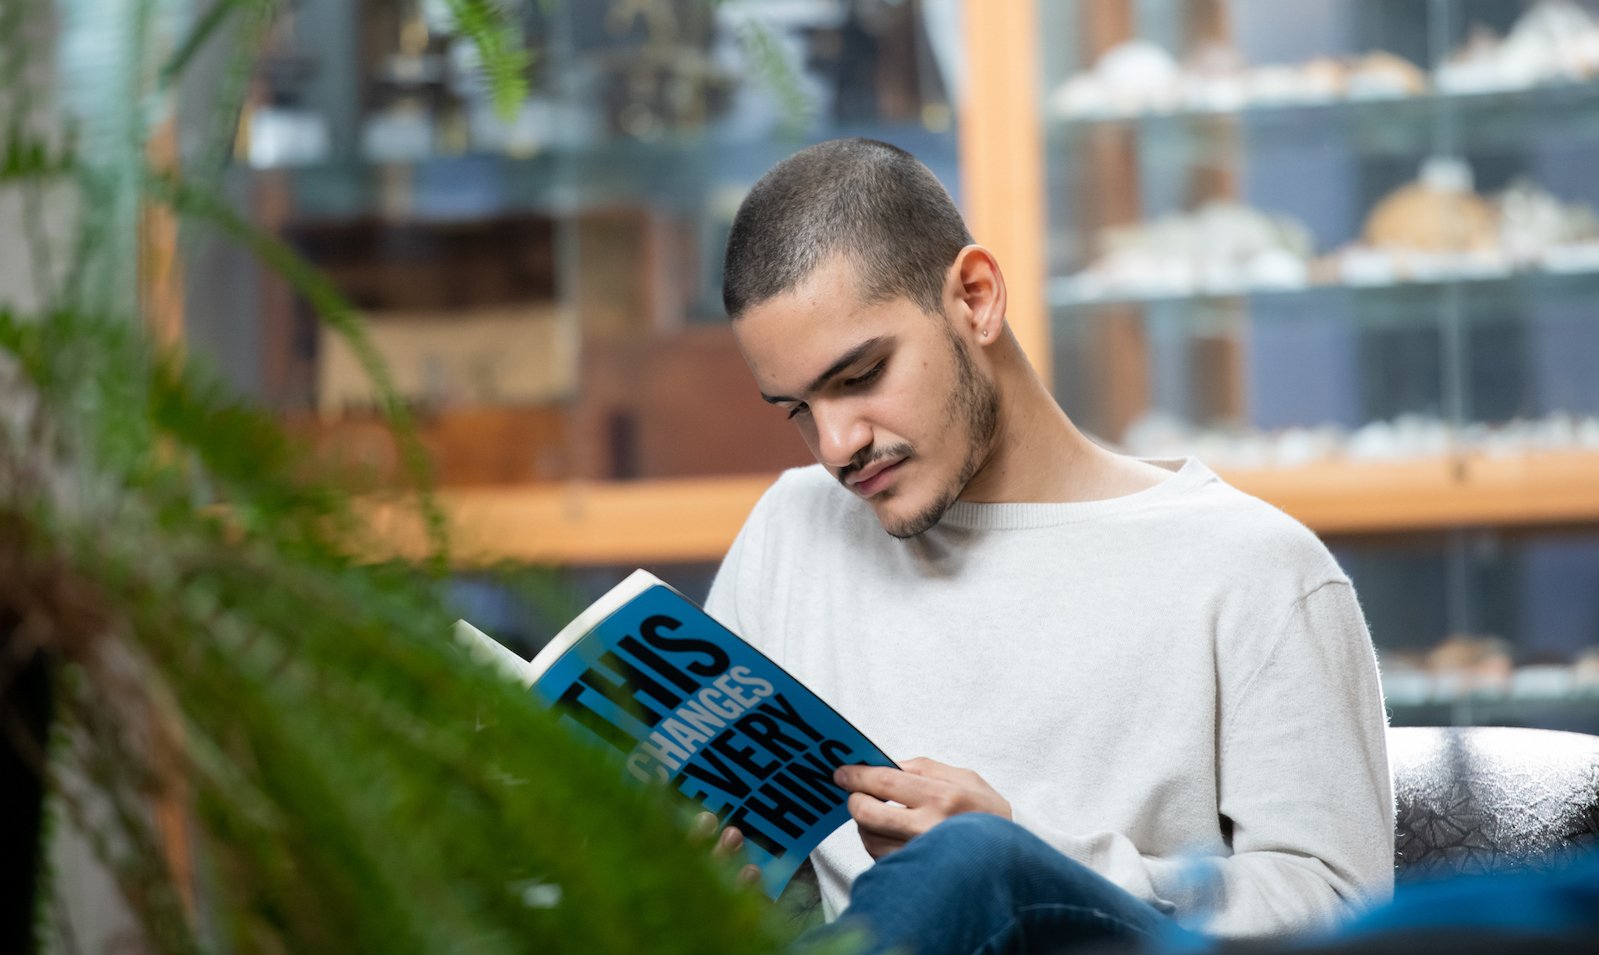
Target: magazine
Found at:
687, 703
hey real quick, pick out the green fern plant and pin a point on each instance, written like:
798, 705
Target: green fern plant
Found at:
345, 780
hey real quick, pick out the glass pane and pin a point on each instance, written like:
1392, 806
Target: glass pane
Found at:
545, 288
1330, 235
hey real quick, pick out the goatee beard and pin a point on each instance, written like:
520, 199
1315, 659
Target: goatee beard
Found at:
976, 401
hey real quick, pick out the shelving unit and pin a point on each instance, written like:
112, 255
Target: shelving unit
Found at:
999, 131
1469, 533
1034, 187
1067, 292
1385, 117
612, 193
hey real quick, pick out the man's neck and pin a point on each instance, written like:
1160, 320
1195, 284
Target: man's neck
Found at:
1039, 455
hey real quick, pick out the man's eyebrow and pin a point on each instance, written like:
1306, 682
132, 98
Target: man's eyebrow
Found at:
844, 361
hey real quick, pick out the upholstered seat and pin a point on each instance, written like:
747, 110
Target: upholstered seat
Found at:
1491, 799
1473, 799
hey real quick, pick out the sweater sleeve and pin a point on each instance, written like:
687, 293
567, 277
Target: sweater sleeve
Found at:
1303, 786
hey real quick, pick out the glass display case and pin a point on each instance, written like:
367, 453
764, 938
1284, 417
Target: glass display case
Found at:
1347, 252
545, 287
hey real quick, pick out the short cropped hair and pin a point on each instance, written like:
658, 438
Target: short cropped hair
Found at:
873, 202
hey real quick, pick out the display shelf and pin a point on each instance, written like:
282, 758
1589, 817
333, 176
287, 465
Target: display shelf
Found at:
682, 173
1481, 343
1393, 126
601, 523
1578, 711
696, 520
1473, 489
1074, 292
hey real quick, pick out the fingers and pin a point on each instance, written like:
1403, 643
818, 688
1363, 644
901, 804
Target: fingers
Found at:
729, 842
882, 819
879, 846
703, 827
933, 769
884, 783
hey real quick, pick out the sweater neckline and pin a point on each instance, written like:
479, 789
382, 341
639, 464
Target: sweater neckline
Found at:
1187, 474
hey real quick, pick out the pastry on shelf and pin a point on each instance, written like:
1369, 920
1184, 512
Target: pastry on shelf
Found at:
1533, 222
1081, 96
1542, 681
1140, 77
1404, 437
1323, 79
1433, 228
1132, 77
1220, 248
1481, 66
1555, 41
1560, 36
1383, 75
1585, 669
1436, 228
1466, 663
1436, 213
1320, 80
1158, 434
1405, 680
1556, 432
1213, 79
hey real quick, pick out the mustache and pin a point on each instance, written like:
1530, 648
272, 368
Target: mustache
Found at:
869, 456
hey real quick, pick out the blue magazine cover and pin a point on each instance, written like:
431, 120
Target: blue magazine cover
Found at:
687, 703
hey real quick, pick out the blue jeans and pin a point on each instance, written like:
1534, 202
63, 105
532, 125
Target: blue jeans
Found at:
981, 884
976, 883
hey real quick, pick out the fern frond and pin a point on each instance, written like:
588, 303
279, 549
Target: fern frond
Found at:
496, 33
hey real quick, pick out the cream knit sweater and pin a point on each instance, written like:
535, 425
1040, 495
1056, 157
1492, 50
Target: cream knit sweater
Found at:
1175, 688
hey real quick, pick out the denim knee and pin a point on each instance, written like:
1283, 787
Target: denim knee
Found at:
972, 847
977, 828
971, 834
975, 881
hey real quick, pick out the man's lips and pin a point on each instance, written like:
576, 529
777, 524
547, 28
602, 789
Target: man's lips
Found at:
874, 477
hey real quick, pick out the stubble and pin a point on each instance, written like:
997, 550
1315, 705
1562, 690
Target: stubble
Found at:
974, 403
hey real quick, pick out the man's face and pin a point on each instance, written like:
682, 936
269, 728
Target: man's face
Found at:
886, 396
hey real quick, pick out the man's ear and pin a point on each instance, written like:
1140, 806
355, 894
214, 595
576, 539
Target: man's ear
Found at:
975, 287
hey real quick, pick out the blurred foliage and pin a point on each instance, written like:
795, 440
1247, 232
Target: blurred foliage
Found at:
344, 779
498, 41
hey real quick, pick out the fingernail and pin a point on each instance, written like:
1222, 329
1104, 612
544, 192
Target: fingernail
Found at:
839, 776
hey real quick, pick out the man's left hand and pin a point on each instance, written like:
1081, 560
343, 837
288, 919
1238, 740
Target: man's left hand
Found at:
927, 793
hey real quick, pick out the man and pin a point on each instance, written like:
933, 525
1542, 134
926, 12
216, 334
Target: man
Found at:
1166, 684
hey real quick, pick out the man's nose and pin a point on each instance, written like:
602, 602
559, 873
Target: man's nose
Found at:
840, 435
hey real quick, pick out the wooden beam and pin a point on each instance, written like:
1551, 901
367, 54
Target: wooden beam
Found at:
1002, 160
160, 269
161, 303
579, 523
1111, 194
1528, 490
696, 520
